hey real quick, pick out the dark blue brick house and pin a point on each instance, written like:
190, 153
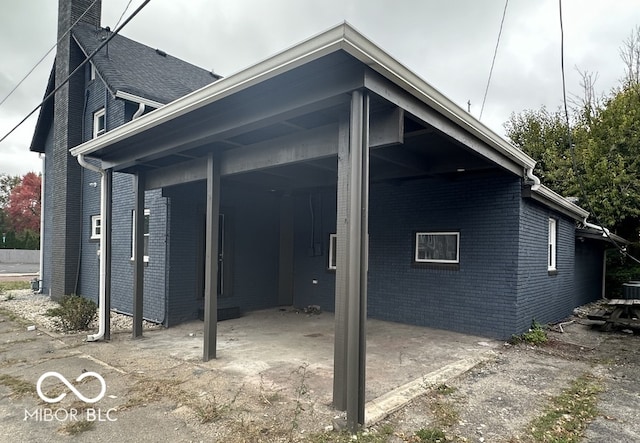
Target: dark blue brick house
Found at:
327, 175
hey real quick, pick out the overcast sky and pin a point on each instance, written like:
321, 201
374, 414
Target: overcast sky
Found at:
449, 43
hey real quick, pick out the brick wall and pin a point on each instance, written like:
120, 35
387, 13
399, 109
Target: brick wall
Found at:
543, 296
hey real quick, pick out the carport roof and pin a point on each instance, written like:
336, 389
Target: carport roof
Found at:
339, 39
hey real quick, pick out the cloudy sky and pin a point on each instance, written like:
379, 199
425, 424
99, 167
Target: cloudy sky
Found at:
449, 43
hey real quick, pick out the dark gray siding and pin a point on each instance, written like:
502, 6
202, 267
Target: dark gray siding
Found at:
588, 271
542, 296
251, 249
314, 221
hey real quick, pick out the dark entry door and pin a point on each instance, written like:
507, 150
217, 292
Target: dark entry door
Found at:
225, 256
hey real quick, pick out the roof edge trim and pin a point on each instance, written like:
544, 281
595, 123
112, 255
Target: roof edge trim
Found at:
137, 99
558, 202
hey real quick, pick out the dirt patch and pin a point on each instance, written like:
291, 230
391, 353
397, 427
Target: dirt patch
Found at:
170, 398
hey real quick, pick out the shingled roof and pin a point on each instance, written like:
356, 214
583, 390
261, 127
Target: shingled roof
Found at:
143, 74
131, 67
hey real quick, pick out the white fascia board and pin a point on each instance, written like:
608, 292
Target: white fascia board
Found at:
364, 50
547, 195
309, 50
134, 98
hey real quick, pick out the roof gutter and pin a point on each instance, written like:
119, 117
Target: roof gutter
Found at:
103, 263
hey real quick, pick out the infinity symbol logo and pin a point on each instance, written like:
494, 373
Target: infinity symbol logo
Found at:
71, 387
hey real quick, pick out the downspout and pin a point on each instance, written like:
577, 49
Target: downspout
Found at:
605, 231
536, 180
41, 268
139, 112
103, 265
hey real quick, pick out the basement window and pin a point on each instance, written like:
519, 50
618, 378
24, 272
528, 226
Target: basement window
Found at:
147, 216
99, 123
437, 247
333, 251
96, 226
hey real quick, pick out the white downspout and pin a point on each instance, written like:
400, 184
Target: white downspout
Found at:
536, 180
139, 112
605, 231
41, 268
103, 266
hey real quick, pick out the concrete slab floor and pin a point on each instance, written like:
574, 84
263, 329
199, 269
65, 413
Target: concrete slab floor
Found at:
272, 344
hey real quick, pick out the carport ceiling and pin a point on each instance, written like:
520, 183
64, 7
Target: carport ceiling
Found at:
425, 152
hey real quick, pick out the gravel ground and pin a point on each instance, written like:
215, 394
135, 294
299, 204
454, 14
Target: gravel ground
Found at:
33, 307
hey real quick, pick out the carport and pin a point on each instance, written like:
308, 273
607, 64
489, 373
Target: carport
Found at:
333, 111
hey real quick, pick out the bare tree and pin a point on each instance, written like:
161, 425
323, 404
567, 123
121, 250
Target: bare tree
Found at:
630, 54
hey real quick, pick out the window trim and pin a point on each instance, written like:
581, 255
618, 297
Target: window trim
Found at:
96, 227
418, 260
97, 116
92, 72
552, 245
333, 245
147, 236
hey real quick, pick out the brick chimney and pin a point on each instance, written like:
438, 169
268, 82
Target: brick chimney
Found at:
65, 193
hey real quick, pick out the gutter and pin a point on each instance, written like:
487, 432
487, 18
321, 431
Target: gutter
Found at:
103, 265
41, 267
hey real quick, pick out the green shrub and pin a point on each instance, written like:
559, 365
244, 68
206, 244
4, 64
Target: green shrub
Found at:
536, 335
75, 312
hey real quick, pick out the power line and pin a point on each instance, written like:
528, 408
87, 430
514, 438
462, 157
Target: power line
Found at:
495, 52
572, 147
47, 53
80, 66
123, 13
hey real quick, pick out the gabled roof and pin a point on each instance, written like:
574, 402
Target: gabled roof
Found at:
133, 68
131, 71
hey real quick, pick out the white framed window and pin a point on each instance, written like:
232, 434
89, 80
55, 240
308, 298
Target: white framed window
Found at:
92, 71
552, 249
333, 251
437, 247
147, 216
96, 227
99, 123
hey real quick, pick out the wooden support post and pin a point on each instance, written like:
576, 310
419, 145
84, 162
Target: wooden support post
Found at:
105, 254
138, 254
342, 270
211, 259
352, 264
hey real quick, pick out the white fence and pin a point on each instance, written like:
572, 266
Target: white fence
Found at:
19, 256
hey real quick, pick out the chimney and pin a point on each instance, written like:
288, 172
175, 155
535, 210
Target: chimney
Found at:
64, 179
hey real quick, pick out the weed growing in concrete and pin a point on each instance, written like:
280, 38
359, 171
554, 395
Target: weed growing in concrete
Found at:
18, 386
368, 436
536, 335
302, 392
568, 415
75, 312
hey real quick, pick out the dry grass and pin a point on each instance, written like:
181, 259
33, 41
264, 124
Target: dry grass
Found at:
18, 386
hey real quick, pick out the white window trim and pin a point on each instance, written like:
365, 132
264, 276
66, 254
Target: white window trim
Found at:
552, 245
92, 71
430, 260
97, 131
147, 212
333, 244
96, 227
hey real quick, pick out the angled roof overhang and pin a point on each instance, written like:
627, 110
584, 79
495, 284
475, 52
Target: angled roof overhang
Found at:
314, 76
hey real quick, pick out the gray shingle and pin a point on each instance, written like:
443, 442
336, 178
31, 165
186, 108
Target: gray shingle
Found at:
129, 66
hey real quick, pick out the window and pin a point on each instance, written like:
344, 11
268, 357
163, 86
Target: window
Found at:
333, 252
99, 123
96, 225
437, 247
92, 72
147, 216
551, 258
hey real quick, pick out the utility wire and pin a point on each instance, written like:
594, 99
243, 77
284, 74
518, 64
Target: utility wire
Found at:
80, 66
572, 147
495, 53
123, 13
47, 53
